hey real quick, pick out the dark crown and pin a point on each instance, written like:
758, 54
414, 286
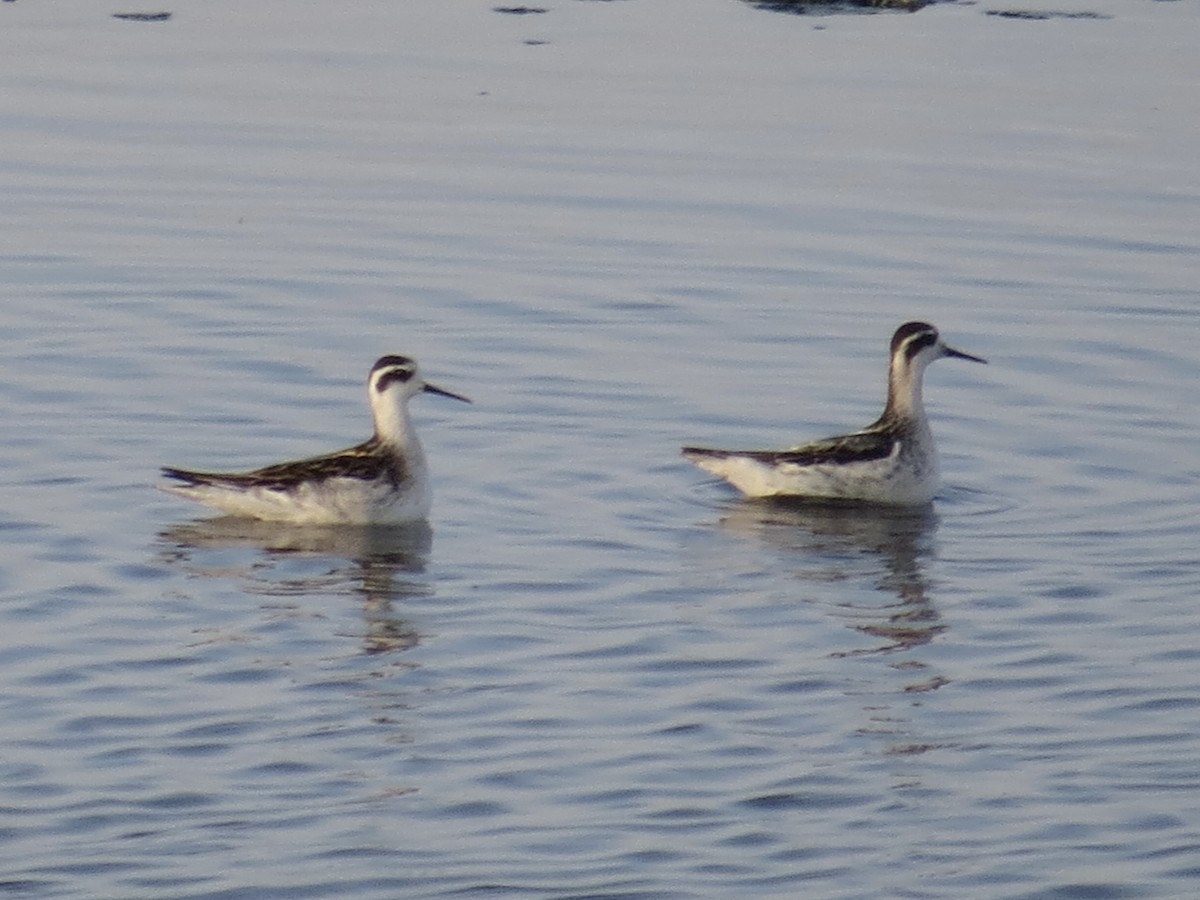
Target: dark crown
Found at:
914, 336
392, 368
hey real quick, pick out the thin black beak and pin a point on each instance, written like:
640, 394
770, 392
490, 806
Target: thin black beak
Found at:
950, 351
434, 389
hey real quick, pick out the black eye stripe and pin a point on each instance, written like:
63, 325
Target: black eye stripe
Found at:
910, 330
388, 369
388, 376
919, 343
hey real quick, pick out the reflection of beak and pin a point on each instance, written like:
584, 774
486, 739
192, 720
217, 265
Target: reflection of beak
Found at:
433, 389
950, 351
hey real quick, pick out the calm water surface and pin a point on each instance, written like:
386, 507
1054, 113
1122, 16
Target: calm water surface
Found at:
618, 227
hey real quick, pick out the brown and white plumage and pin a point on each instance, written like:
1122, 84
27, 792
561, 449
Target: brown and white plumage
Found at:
383, 480
893, 461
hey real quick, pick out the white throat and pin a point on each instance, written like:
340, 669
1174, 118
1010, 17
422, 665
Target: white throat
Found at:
393, 425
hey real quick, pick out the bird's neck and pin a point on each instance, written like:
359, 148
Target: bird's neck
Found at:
904, 392
393, 426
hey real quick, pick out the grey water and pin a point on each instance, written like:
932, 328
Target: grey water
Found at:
618, 227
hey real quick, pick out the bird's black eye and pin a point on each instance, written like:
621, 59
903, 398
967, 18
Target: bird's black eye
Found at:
910, 330
919, 342
388, 376
391, 368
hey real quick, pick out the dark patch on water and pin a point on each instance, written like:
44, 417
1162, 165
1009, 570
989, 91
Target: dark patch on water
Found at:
143, 17
824, 7
1038, 15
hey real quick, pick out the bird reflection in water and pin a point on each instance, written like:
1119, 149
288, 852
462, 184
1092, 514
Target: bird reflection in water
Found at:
839, 542
380, 564
845, 547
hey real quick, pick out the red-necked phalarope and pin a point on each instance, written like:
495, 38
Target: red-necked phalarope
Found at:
892, 461
382, 481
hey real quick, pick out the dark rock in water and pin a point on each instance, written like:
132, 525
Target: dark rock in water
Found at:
801, 7
143, 17
1041, 14
519, 10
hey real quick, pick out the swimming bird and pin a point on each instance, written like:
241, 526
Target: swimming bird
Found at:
892, 461
384, 480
